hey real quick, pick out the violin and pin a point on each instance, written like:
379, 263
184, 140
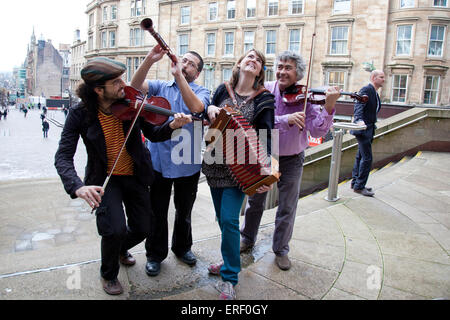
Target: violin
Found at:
295, 94
155, 110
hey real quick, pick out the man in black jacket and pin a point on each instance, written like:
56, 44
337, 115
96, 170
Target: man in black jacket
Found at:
366, 113
103, 135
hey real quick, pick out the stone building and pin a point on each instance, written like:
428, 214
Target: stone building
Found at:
47, 71
78, 50
405, 38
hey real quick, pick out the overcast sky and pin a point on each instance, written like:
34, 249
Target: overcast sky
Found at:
53, 19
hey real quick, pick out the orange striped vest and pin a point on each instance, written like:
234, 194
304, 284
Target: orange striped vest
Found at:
114, 139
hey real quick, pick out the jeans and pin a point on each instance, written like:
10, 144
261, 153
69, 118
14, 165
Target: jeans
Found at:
228, 203
363, 160
185, 193
291, 168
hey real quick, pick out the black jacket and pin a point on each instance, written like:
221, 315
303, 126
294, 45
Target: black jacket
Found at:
366, 111
77, 124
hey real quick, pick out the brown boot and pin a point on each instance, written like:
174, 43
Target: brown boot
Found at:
283, 262
112, 287
127, 259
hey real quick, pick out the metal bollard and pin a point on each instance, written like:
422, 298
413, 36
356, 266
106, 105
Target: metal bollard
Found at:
336, 156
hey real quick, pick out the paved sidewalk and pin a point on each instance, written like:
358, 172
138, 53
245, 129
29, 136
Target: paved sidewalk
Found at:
393, 246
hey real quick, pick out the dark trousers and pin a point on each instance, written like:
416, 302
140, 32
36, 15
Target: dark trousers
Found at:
185, 192
117, 235
363, 160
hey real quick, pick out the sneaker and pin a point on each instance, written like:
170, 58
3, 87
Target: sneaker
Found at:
215, 268
245, 246
226, 290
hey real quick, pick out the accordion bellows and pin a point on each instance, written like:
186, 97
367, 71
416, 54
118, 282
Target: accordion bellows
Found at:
246, 159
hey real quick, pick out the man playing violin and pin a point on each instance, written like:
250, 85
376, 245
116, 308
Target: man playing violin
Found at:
184, 96
104, 135
293, 123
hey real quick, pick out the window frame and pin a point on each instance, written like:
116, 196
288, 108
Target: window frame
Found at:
252, 10
266, 43
442, 41
216, 5
413, 5
433, 76
342, 12
180, 45
393, 88
233, 9
207, 44
183, 15
269, 2
226, 44
291, 7
300, 31
409, 54
347, 41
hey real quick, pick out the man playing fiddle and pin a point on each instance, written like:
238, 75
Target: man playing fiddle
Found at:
293, 123
103, 135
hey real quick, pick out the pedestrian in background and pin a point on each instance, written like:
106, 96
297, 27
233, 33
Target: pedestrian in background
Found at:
45, 127
366, 113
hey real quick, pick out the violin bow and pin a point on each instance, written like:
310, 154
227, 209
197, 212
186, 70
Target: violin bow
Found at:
309, 72
124, 143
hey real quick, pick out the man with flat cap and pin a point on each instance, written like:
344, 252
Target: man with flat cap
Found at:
103, 135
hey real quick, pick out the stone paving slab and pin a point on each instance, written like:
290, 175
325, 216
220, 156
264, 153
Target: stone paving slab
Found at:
392, 246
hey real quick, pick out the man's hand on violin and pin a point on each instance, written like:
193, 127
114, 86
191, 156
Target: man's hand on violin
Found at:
180, 119
297, 119
331, 96
91, 194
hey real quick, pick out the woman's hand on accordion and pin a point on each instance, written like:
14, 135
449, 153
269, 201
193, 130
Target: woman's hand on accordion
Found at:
213, 111
263, 188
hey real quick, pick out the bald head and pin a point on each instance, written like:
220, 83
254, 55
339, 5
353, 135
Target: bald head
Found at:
377, 78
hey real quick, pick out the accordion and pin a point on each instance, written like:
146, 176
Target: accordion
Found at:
246, 159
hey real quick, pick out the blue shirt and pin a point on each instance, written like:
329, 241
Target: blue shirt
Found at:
181, 155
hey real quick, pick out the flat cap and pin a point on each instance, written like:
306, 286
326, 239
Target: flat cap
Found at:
101, 69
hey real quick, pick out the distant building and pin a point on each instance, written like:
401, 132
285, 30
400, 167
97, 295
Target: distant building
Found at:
408, 39
78, 50
47, 70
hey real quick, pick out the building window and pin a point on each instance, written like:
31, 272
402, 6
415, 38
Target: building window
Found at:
249, 40
404, 36
209, 79
114, 12
185, 15
136, 37
271, 41
183, 44
231, 9
226, 74
269, 74
272, 8
339, 40
406, 3
251, 9
336, 78
90, 43
112, 39
104, 40
229, 43
295, 6
105, 14
399, 85
436, 41
91, 20
430, 94
341, 6
137, 8
212, 11
440, 3
210, 44
294, 40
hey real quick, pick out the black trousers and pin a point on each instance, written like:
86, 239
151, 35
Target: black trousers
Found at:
363, 160
118, 234
185, 192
